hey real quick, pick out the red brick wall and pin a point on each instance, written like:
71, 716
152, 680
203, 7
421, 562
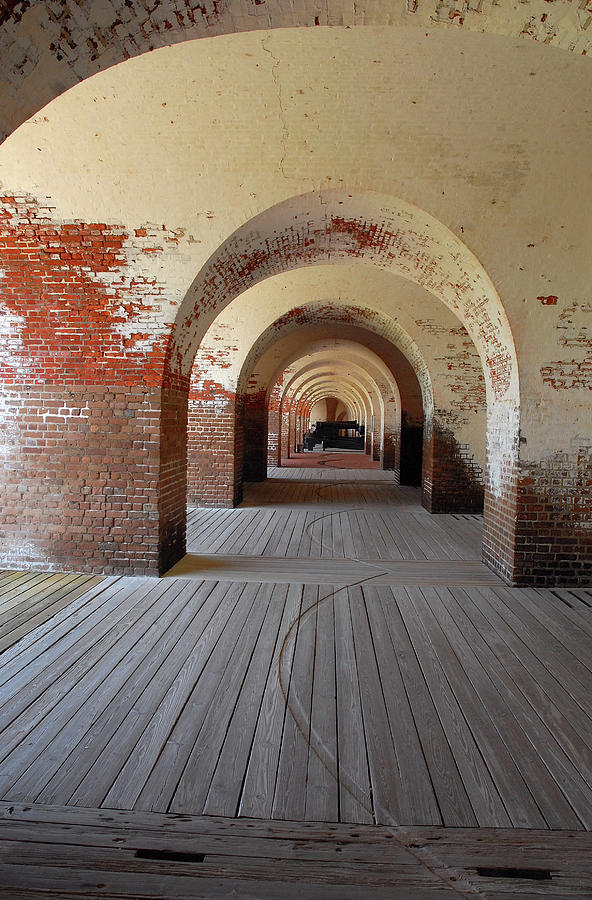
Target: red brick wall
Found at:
80, 475
452, 480
540, 531
255, 437
211, 444
93, 451
274, 453
173, 474
391, 457
285, 432
81, 354
376, 450
499, 528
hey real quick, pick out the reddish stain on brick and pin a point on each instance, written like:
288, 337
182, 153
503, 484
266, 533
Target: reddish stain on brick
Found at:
564, 375
574, 372
68, 286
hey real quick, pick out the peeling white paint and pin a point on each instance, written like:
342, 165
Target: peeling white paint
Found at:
503, 421
11, 343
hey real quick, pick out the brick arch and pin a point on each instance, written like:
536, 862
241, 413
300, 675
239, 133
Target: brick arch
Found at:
223, 418
411, 381
222, 421
338, 316
47, 48
320, 372
337, 410
332, 227
365, 387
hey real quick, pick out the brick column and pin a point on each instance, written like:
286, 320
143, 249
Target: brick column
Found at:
255, 437
80, 477
452, 481
285, 432
274, 451
376, 440
211, 450
538, 529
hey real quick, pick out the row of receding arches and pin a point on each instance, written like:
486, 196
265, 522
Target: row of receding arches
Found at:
236, 189
230, 413
308, 369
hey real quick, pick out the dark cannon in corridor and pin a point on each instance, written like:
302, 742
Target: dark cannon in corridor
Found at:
336, 436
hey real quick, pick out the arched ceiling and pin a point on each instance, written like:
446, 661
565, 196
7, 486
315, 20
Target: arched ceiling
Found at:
337, 345
218, 131
46, 47
315, 381
333, 228
342, 362
176, 150
402, 314
331, 409
301, 326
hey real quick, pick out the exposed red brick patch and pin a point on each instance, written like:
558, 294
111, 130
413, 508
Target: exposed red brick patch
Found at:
74, 304
551, 300
211, 443
567, 375
89, 457
574, 328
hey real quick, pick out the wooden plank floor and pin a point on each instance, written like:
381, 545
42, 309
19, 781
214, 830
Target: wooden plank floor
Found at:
330, 470
338, 519
68, 852
219, 567
334, 656
28, 599
470, 706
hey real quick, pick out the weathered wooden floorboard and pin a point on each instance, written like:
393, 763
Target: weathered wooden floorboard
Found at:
419, 795
65, 695
362, 504
56, 775
322, 779
260, 776
34, 591
556, 705
192, 788
163, 700
355, 800
423, 692
545, 766
64, 662
69, 852
225, 787
389, 797
483, 734
536, 607
290, 787
59, 629
43, 606
160, 785
564, 668
437, 719
109, 736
